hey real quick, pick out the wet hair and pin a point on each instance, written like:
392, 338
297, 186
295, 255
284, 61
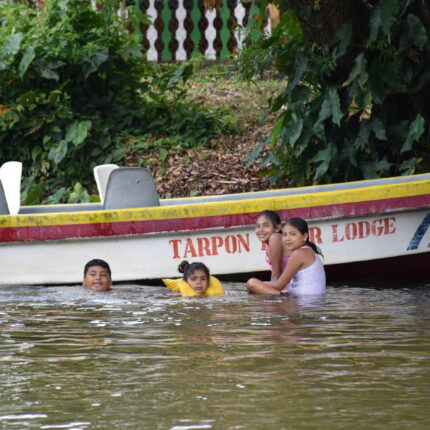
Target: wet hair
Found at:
273, 217
301, 225
188, 269
97, 262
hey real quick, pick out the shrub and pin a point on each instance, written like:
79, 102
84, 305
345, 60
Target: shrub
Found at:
73, 87
354, 106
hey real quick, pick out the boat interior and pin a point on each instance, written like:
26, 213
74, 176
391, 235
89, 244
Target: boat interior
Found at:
134, 187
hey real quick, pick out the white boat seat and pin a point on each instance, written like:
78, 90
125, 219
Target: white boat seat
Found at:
4, 209
130, 187
101, 175
10, 178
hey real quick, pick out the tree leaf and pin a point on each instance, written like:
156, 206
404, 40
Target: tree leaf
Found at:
325, 155
281, 121
252, 156
415, 131
343, 36
97, 59
11, 45
77, 132
56, 197
359, 70
300, 66
26, 60
295, 129
330, 107
382, 18
409, 166
79, 194
414, 33
379, 129
58, 152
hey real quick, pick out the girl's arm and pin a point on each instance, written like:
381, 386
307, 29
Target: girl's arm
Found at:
295, 262
275, 253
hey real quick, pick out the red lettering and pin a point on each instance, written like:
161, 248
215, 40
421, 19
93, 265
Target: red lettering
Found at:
335, 236
203, 245
351, 231
175, 243
363, 229
189, 249
217, 242
315, 235
389, 225
231, 244
244, 242
378, 227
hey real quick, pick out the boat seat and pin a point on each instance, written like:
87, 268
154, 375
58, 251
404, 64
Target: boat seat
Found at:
101, 175
4, 209
10, 178
130, 187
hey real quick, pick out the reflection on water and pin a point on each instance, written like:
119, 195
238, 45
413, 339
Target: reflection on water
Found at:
141, 358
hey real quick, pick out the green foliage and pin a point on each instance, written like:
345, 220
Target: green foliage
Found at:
74, 88
355, 104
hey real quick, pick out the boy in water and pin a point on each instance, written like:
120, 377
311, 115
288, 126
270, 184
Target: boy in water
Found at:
97, 275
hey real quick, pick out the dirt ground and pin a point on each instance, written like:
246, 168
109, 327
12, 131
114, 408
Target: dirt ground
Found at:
221, 170
209, 172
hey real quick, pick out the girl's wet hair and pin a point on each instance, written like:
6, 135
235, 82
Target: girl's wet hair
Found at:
273, 217
301, 225
188, 269
97, 262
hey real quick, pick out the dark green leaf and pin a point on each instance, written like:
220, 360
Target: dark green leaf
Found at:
79, 194
77, 132
416, 130
409, 166
379, 129
331, 107
11, 45
414, 33
382, 18
58, 152
26, 60
300, 66
359, 70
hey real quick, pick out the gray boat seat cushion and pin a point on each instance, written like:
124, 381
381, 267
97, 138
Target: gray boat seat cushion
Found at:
130, 187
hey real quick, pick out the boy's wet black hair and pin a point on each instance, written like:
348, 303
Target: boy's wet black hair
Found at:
188, 269
97, 262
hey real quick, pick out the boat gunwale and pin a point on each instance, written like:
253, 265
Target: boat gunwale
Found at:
227, 207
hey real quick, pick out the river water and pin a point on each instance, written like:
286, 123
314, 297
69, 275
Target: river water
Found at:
139, 357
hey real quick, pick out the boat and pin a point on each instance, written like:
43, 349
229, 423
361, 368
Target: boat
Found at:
370, 228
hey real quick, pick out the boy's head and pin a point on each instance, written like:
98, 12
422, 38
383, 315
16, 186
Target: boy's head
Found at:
97, 275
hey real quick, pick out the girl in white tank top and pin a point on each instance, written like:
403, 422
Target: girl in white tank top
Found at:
304, 271
310, 280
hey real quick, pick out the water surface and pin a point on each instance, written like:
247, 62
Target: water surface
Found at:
141, 358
